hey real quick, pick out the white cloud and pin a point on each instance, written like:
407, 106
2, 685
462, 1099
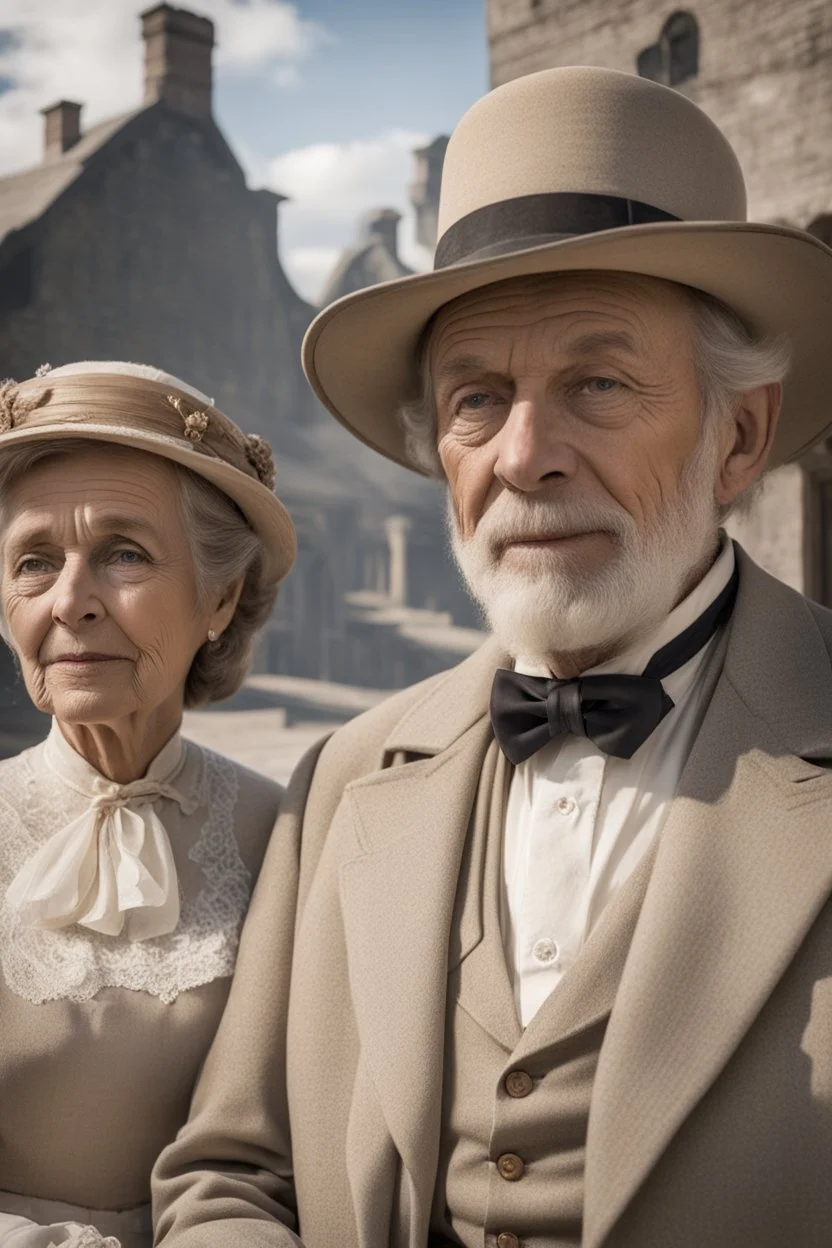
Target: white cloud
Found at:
309, 267
330, 187
90, 51
334, 180
260, 34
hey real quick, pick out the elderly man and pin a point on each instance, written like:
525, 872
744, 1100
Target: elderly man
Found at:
563, 953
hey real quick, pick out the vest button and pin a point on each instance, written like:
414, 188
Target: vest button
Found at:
507, 1239
519, 1083
511, 1167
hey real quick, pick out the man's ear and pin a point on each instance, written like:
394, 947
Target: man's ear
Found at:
752, 427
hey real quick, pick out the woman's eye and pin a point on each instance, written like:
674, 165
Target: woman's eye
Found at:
129, 557
32, 565
600, 385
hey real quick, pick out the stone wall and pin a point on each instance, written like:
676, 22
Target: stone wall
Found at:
765, 77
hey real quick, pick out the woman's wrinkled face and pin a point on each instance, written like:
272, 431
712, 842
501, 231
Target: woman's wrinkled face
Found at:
98, 588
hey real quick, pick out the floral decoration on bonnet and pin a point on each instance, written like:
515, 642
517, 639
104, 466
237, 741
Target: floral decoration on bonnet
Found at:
258, 452
259, 455
196, 422
13, 406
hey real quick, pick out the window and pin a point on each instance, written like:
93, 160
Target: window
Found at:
674, 58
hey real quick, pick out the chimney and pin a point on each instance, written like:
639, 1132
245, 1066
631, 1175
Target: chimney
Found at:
62, 128
177, 60
424, 189
382, 226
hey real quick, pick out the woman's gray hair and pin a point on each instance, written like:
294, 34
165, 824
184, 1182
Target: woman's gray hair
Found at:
224, 548
729, 358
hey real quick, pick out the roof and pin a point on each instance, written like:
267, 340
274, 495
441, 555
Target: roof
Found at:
365, 265
25, 196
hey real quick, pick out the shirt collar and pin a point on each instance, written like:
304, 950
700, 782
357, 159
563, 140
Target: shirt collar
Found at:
635, 658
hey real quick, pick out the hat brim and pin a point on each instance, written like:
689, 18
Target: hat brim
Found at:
263, 510
359, 354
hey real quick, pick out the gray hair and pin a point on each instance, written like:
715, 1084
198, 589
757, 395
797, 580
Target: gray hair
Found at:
224, 548
729, 360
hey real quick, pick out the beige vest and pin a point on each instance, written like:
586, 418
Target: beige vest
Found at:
516, 1103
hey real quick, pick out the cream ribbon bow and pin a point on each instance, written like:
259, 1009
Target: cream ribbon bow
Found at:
109, 869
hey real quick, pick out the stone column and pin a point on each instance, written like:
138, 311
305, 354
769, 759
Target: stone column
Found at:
398, 528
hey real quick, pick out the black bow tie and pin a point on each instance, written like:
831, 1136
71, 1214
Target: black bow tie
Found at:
616, 712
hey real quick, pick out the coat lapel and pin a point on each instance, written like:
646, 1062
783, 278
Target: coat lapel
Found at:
484, 986
743, 868
397, 898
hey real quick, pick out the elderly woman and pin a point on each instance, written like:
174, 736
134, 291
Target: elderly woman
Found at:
141, 545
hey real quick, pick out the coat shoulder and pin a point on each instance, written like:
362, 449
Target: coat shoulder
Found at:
358, 746
823, 619
353, 751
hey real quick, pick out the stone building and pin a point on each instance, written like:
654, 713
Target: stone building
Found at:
763, 72
374, 258
139, 239
424, 189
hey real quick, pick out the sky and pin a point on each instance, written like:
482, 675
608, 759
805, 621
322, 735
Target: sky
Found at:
322, 100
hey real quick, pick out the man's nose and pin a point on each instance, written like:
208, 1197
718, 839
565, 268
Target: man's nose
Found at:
533, 451
75, 596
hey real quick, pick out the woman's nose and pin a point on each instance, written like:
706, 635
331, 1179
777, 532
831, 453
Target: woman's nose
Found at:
75, 598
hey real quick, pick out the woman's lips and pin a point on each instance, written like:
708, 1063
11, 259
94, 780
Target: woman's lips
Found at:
82, 660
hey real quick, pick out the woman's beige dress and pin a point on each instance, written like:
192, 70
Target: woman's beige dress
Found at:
101, 1036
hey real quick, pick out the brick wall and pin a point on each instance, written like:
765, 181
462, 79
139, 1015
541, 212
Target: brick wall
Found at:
765, 77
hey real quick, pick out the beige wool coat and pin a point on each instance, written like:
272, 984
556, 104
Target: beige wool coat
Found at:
711, 1118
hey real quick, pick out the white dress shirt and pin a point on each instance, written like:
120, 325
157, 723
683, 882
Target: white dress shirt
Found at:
579, 821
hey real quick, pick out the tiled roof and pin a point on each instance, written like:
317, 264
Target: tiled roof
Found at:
25, 196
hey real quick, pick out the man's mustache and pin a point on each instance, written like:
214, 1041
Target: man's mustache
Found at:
516, 521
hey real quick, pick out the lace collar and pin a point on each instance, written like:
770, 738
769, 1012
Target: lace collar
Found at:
110, 869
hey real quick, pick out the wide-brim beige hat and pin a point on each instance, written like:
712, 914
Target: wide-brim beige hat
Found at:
584, 169
141, 407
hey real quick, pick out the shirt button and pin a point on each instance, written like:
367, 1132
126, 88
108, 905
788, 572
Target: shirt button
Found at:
566, 805
545, 951
518, 1083
507, 1239
510, 1167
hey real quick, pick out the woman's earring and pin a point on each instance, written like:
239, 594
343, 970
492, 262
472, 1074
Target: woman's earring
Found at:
212, 636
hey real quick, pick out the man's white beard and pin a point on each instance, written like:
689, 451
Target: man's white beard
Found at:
557, 607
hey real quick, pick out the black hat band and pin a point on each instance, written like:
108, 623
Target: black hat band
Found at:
533, 220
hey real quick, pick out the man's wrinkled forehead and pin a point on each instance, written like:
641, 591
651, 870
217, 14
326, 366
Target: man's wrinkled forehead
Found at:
629, 303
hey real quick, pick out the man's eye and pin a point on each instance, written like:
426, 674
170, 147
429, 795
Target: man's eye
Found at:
473, 402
